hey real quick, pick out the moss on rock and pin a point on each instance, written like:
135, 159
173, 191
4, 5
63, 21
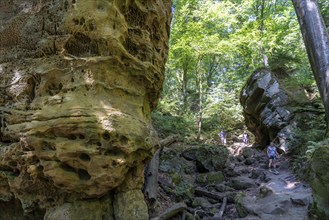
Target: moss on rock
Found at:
320, 180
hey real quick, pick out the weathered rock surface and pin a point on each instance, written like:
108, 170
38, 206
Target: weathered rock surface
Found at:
264, 196
320, 179
265, 107
293, 119
272, 112
78, 80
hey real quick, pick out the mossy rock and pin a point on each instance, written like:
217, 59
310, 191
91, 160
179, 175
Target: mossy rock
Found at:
130, 205
208, 158
185, 191
170, 162
210, 178
242, 212
201, 202
84, 210
320, 180
176, 178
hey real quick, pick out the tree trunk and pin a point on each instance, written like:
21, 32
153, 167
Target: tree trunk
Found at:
317, 45
172, 211
200, 108
185, 87
261, 29
152, 171
264, 56
151, 179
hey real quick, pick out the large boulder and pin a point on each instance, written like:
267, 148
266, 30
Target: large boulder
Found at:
207, 158
78, 81
265, 107
293, 117
275, 111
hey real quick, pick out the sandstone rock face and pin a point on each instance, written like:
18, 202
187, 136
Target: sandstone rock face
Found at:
78, 80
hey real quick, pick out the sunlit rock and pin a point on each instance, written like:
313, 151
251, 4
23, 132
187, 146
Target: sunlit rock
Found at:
78, 81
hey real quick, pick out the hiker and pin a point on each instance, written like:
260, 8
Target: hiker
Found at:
222, 136
272, 156
245, 138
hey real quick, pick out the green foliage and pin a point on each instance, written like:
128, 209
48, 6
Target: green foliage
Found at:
311, 148
308, 138
301, 78
167, 124
324, 7
222, 111
184, 191
214, 47
240, 209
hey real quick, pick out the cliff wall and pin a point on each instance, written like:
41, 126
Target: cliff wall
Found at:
78, 80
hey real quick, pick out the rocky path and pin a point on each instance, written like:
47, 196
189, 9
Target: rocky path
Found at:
197, 177
276, 196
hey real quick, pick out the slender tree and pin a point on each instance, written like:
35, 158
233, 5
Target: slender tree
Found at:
316, 42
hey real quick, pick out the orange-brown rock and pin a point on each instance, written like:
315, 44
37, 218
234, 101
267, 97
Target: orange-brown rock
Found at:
78, 81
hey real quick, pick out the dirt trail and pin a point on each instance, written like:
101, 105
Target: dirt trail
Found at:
275, 197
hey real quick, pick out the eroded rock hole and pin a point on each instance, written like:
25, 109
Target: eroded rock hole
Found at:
135, 17
13, 163
75, 21
83, 174
72, 137
106, 136
48, 146
7, 141
92, 26
40, 168
114, 163
67, 167
81, 45
84, 157
124, 140
114, 152
82, 38
82, 21
6, 168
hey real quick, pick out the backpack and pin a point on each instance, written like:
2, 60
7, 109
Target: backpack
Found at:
272, 151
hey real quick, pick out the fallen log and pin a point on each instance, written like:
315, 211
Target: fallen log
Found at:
213, 195
151, 178
168, 141
167, 187
152, 170
222, 209
171, 212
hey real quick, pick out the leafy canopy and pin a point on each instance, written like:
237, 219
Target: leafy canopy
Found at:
215, 45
